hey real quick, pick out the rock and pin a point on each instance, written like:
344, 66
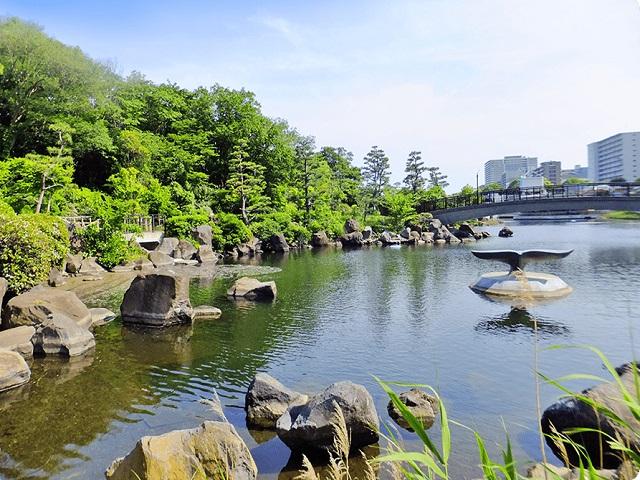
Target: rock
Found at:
180, 261
14, 371
4, 286
570, 413
351, 226
167, 246
414, 235
253, 289
467, 228
143, 264
60, 335
243, 250
205, 254
542, 471
34, 306
351, 240
423, 406
203, 234
101, 316
388, 239
406, 233
440, 241
276, 243
440, 232
505, 232
367, 233
427, 237
213, 450
485, 234
73, 263
310, 427
157, 300
160, 259
89, 266
319, 239
206, 312
267, 400
56, 278
124, 267
184, 250
18, 340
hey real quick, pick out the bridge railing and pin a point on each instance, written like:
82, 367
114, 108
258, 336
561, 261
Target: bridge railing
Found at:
629, 189
132, 223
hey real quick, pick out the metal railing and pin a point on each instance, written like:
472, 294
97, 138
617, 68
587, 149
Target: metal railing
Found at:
579, 190
132, 223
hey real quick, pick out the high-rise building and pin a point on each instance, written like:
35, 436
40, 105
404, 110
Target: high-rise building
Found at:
552, 171
576, 172
507, 169
615, 157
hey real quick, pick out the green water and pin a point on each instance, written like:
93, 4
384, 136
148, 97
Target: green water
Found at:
399, 313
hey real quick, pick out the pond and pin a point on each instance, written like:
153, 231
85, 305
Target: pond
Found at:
403, 314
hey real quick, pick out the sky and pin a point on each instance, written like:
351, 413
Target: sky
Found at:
462, 81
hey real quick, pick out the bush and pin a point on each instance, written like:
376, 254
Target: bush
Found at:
106, 242
30, 245
229, 231
5, 209
181, 225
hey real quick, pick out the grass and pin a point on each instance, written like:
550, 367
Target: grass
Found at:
622, 215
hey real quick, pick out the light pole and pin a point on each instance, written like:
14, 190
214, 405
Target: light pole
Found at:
477, 188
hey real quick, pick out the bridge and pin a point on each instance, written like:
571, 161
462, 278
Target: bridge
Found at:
587, 196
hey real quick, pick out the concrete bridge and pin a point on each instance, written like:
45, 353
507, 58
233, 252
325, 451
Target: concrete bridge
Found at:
591, 196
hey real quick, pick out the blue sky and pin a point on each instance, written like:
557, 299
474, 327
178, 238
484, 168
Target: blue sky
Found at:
462, 81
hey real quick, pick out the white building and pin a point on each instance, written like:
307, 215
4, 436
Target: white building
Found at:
507, 169
615, 157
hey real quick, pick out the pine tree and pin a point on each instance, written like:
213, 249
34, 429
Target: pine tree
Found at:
415, 169
246, 183
375, 174
437, 178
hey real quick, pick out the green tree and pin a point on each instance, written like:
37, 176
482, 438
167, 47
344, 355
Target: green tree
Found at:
575, 181
491, 186
415, 170
467, 190
437, 178
56, 169
375, 173
246, 184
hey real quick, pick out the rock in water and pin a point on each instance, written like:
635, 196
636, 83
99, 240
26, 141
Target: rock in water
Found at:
205, 254
157, 300
267, 400
253, 289
101, 316
185, 250
406, 233
205, 312
203, 234
160, 259
367, 233
18, 340
14, 371
352, 240
276, 243
213, 450
310, 427
59, 335
34, 306
351, 226
319, 239
570, 413
423, 406
505, 232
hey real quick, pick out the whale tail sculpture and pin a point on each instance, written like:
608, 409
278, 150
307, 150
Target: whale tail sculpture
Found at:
518, 259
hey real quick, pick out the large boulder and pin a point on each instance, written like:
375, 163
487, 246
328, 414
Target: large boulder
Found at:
185, 250
319, 239
167, 246
572, 413
73, 263
351, 226
276, 243
267, 400
253, 289
352, 240
311, 427
422, 405
60, 335
89, 266
160, 259
367, 233
406, 233
206, 312
440, 232
157, 300
202, 234
14, 371
18, 340
34, 306
4, 286
205, 254
213, 450
468, 229
505, 232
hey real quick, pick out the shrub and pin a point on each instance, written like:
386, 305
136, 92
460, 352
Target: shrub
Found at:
181, 225
106, 242
30, 245
229, 231
5, 209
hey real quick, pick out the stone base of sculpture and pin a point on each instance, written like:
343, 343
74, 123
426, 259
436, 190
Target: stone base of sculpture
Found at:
520, 284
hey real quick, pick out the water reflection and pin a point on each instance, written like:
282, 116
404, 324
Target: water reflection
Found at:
519, 320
